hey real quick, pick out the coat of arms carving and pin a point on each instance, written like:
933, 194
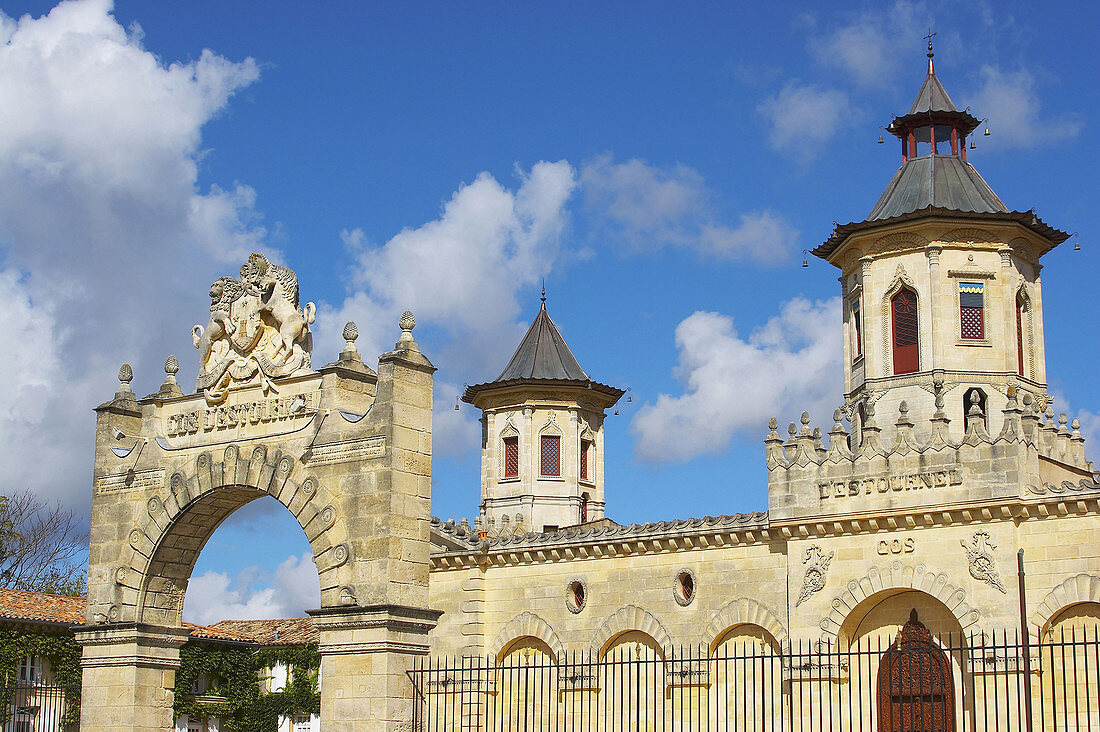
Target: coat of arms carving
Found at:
814, 579
256, 332
983, 567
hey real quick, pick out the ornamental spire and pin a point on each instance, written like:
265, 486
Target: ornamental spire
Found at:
928, 37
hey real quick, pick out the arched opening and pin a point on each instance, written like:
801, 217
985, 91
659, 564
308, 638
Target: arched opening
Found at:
527, 683
633, 685
974, 398
916, 688
875, 635
1022, 316
1070, 649
235, 577
905, 329
585, 498
748, 666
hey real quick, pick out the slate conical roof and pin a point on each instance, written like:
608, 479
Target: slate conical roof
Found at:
932, 97
542, 358
940, 181
543, 354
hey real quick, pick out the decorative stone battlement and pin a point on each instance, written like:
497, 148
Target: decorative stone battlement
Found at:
1032, 454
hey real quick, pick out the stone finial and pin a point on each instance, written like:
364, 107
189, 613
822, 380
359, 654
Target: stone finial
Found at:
125, 375
975, 405
171, 366
350, 334
792, 429
407, 323
805, 419
170, 387
773, 424
838, 418
1076, 425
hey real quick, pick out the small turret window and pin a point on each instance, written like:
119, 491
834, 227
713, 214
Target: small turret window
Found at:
972, 310
903, 311
586, 448
551, 456
511, 457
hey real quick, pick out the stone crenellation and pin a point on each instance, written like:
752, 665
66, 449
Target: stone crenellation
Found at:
806, 475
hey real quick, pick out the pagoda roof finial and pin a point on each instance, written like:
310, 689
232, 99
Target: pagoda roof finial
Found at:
928, 37
543, 297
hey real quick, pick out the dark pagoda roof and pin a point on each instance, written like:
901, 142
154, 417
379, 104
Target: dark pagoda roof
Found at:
940, 181
542, 358
936, 185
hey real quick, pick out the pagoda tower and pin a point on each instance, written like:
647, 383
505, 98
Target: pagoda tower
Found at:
941, 287
542, 435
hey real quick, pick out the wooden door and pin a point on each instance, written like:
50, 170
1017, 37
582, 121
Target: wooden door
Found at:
916, 691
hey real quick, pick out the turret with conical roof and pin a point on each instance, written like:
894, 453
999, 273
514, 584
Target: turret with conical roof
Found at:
941, 280
542, 435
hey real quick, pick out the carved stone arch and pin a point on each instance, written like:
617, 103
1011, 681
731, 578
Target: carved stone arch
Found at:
1072, 591
897, 576
902, 241
1023, 249
631, 617
523, 625
969, 235
177, 524
744, 611
509, 429
901, 279
551, 427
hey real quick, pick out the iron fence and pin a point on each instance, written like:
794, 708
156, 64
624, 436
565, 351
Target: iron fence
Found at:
916, 683
32, 707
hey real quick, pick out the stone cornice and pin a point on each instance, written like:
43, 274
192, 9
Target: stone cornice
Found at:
1050, 500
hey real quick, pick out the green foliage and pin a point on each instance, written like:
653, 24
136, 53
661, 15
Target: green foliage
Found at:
235, 674
63, 653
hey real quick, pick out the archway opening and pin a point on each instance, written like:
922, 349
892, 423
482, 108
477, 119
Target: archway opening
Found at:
916, 687
256, 565
1069, 656
747, 663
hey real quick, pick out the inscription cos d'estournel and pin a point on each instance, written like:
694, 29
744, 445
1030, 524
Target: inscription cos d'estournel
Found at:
889, 483
229, 416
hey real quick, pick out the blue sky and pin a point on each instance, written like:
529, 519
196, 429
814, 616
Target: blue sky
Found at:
661, 165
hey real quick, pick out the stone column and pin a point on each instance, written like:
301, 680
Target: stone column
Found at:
366, 654
128, 676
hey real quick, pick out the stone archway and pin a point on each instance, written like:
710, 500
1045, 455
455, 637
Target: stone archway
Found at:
628, 618
527, 624
345, 449
744, 611
179, 521
897, 576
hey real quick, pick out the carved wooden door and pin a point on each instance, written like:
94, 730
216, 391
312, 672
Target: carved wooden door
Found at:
916, 691
903, 312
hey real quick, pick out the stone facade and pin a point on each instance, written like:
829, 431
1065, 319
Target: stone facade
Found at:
920, 494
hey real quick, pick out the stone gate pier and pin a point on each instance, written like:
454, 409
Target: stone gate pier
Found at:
344, 447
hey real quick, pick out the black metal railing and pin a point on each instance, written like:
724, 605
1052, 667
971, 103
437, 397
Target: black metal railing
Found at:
977, 682
33, 707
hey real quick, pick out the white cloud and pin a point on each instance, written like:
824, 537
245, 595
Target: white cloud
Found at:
460, 274
213, 596
803, 117
1011, 102
734, 384
103, 231
647, 207
866, 46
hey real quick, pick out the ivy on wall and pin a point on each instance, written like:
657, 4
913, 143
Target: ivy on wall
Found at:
63, 654
233, 689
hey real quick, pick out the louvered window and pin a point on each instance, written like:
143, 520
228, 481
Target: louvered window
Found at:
972, 310
551, 456
586, 446
511, 457
903, 308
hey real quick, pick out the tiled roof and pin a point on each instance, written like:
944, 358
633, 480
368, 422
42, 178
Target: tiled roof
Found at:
40, 607
940, 181
279, 632
222, 634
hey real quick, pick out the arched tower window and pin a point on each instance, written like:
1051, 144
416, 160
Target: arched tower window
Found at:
1021, 343
969, 401
584, 507
903, 316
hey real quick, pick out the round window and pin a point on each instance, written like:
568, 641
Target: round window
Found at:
576, 595
683, 589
